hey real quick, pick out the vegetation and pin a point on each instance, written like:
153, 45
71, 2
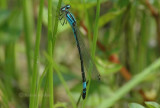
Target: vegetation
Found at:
39, 60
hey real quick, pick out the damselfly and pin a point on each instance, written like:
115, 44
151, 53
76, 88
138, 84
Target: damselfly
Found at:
85, 58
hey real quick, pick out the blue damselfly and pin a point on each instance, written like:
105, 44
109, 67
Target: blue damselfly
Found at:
85, 58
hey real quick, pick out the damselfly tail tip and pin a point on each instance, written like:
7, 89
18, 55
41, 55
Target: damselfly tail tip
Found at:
84, 95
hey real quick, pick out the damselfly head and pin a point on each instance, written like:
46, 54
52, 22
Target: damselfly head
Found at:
64, 8
68, 6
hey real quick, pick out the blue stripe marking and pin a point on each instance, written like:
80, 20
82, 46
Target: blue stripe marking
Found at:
73, 17
84, 85
70, 19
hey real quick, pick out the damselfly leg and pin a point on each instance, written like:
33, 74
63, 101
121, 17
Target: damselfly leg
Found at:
64, 21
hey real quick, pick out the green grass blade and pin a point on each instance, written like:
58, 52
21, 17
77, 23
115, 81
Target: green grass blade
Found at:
132, 83
50, 72
64, 84
95, 35
56, 24
40, 82
54, 65
45, 93
109, 16
28, 29
34, 99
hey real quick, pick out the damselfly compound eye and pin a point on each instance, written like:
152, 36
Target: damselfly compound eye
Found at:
63, 9
68, 6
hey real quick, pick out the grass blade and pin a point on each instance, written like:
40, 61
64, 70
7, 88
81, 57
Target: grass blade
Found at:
33, 99
132, 83
50, 72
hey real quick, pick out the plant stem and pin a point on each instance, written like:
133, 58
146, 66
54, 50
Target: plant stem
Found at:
28, 29
64, 84
33, 99
95, 35
9, 68
44, 98
56, 24
50, 72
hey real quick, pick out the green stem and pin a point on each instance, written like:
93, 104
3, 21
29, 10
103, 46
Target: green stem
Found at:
39, 84
56, 24
44, 98
95, 35
9, 68
108, 102
33, 99
64, 84
28, 29
88, 21
50, 72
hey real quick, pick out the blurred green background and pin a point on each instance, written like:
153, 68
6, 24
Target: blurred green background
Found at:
39, 60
